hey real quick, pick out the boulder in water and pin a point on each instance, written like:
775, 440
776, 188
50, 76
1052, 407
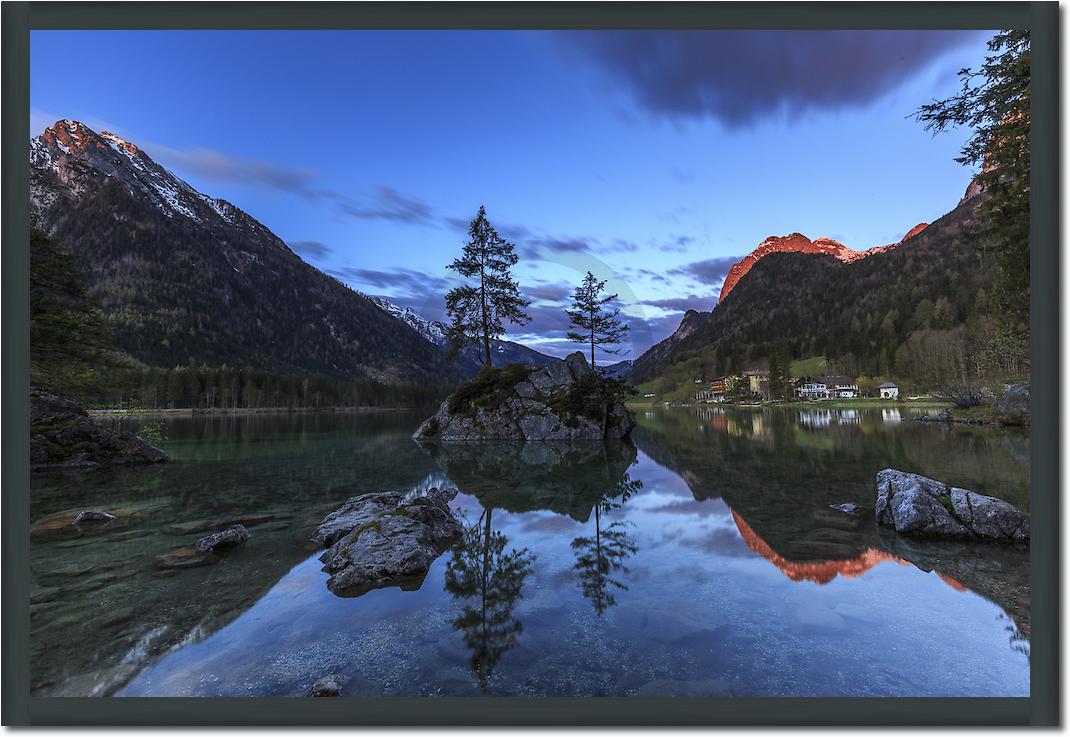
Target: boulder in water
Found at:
233, 535
917, 505
386, 538
87, 519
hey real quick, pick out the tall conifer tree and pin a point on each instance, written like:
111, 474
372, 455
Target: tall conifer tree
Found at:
478, 308
590, 314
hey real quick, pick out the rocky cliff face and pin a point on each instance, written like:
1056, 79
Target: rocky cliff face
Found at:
563, 401
799, 243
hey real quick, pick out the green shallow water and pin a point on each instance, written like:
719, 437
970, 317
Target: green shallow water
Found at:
703, 561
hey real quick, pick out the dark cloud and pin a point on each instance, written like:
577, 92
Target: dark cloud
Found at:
383, 203
677, 244
568, 244
386, 203
682, 304
740, 77
401, 279
710, 271
550, 292
312, 249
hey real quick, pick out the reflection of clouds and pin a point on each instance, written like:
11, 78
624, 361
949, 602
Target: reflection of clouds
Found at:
548, 523
719, 541
709, 508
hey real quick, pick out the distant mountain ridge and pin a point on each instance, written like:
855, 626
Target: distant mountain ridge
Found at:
821, 298
187, 278
799, 243
503, 352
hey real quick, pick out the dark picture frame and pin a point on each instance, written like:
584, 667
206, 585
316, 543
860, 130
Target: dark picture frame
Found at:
1042, 708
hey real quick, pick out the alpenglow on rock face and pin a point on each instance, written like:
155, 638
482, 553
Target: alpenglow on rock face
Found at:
386, 538
917, 505
562, 401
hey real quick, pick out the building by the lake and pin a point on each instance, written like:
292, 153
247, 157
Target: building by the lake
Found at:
888, 390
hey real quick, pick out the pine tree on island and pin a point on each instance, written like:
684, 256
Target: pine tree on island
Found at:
491, 295
595, 324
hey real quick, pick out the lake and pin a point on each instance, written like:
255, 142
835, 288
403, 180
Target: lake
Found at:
703, 560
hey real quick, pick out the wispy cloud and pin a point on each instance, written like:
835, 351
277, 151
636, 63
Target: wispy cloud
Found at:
741, 77
386, 203
676, 244
709, 271
215, 166
311, 249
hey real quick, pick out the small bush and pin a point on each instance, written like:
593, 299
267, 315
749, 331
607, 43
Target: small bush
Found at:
590, 396
488, 390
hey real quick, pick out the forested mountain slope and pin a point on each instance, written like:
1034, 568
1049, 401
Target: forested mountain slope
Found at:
859, 312
185, 279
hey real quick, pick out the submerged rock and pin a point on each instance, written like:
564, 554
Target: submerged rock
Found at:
562, 401
63, 436
93, 518
385, 538
233, 535
327, 686
855, 510
917, 505
186, 556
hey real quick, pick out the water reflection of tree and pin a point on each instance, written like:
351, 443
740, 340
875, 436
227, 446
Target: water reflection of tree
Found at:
602, 556
490, 581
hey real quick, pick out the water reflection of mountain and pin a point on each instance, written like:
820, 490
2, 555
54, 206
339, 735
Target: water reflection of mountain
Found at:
101, 610
780, 491
569, 479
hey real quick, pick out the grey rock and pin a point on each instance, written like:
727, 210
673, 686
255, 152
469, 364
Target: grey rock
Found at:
231, 536
916, 505
855, 510
386, 539
327, 686
62, 435
1015, 401
526, 413
93, 518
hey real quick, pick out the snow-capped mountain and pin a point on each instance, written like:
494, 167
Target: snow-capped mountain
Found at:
503, 352
184, 278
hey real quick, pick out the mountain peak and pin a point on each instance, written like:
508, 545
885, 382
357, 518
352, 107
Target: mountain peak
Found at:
114, 139
799, 243
69, 136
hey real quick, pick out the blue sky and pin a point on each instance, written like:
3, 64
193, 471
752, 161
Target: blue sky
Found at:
654, 159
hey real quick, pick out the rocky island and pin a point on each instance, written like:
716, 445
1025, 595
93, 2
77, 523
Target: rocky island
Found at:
566, 400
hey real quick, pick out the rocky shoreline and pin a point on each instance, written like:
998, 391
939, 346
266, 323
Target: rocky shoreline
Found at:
62, 435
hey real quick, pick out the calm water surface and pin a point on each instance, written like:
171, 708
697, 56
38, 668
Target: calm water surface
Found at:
703, 561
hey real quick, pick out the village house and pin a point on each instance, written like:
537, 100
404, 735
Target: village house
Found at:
714, 392
809, 387
757, 383
888, 390
841, 387
826, 387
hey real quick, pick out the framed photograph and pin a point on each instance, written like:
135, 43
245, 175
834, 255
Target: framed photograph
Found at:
530, 364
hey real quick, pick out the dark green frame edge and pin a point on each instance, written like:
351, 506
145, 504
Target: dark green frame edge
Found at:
1042, 708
